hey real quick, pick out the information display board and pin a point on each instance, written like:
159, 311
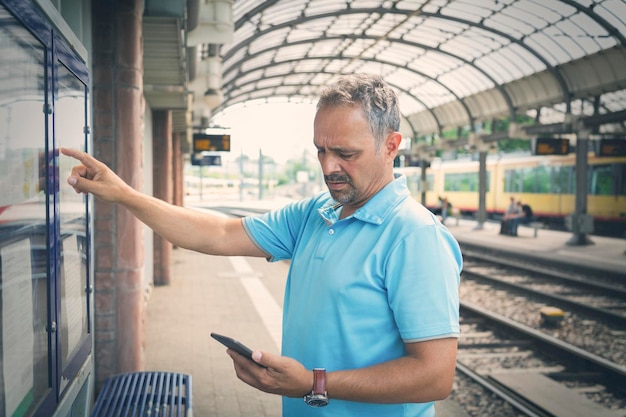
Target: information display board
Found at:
611, 147
203, 142
550, 146
206, 160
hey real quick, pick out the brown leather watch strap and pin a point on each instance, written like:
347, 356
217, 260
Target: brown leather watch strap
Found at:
319, 381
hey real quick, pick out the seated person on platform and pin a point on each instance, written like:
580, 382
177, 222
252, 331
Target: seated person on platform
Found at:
445, 209
524, 216
507, 220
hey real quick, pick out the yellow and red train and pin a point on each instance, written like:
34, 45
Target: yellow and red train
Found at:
546, 183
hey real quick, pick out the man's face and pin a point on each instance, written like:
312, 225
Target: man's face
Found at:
353, 170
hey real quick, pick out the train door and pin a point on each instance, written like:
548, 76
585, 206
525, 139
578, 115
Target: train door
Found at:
45, 297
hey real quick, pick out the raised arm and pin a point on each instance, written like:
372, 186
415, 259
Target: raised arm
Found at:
183, 227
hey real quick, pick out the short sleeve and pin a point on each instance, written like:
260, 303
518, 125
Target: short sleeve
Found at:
423, 276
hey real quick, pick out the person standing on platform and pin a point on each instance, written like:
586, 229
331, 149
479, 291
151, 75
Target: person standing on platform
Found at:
371, 308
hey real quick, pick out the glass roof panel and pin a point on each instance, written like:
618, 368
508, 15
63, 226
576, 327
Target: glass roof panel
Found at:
316, 28
310, 65
258, 61
354, 47
614, 101
440, 30
292, 52
498, 65
614, 12
546, 46
396, 53
252, 76
427, 49
323, 6
433, 64
353, 23
432, 94
472, 10
272, 39
269, 82
327, 47
384, 24
473, 43
279, 69
283, 11
465, 80
408, 104
591, 36
552, 10
526, 17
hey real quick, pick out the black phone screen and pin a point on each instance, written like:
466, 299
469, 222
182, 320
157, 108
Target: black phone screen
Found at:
233, 344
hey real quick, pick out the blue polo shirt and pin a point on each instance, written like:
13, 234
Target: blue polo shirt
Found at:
359, 287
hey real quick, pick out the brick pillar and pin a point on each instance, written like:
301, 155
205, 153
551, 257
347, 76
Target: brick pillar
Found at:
163, 188
117, 138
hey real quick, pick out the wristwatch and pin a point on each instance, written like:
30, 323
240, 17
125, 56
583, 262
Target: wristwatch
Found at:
318, 396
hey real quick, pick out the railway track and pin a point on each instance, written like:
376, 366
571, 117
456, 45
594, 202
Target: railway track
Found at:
527, 366
588, 273
592, 296
532, 373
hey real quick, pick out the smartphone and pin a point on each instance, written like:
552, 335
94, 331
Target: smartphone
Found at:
235, 345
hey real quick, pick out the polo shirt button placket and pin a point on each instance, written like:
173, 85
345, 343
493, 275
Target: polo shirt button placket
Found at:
331, 231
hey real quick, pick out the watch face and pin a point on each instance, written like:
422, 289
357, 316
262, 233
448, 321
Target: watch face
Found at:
316, 400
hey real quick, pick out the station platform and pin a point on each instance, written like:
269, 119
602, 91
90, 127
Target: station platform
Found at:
603, 253
242, 297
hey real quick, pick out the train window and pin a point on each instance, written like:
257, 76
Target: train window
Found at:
24, 271
605, 179
542, 176
413, 181
564, 180
430, 180
528, 180
466, 181
621, 177
513, 181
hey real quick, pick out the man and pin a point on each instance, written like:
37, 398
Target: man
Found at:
524, 216
372, 291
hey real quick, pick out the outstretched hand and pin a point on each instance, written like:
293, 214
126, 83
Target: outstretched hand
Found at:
94, 177
282, 375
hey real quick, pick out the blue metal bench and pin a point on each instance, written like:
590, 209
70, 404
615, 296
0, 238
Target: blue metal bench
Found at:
142, 394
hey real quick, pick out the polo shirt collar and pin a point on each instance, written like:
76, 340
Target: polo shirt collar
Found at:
375, 210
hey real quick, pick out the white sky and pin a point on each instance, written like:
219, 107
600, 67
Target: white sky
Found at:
281, 130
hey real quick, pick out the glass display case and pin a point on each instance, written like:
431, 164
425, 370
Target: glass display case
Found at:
45, 334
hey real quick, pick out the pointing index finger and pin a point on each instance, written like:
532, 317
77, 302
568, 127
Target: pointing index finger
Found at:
81, 156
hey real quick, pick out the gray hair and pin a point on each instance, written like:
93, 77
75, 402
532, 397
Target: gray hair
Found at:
378, 101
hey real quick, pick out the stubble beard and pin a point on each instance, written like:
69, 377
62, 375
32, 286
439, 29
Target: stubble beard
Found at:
346, 196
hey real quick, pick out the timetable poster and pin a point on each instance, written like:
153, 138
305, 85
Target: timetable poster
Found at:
17, 327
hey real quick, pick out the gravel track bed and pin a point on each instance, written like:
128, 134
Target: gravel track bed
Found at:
590, 335
594, 337
479, 402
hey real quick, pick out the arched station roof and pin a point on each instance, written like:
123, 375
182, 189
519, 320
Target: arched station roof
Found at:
454, 63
